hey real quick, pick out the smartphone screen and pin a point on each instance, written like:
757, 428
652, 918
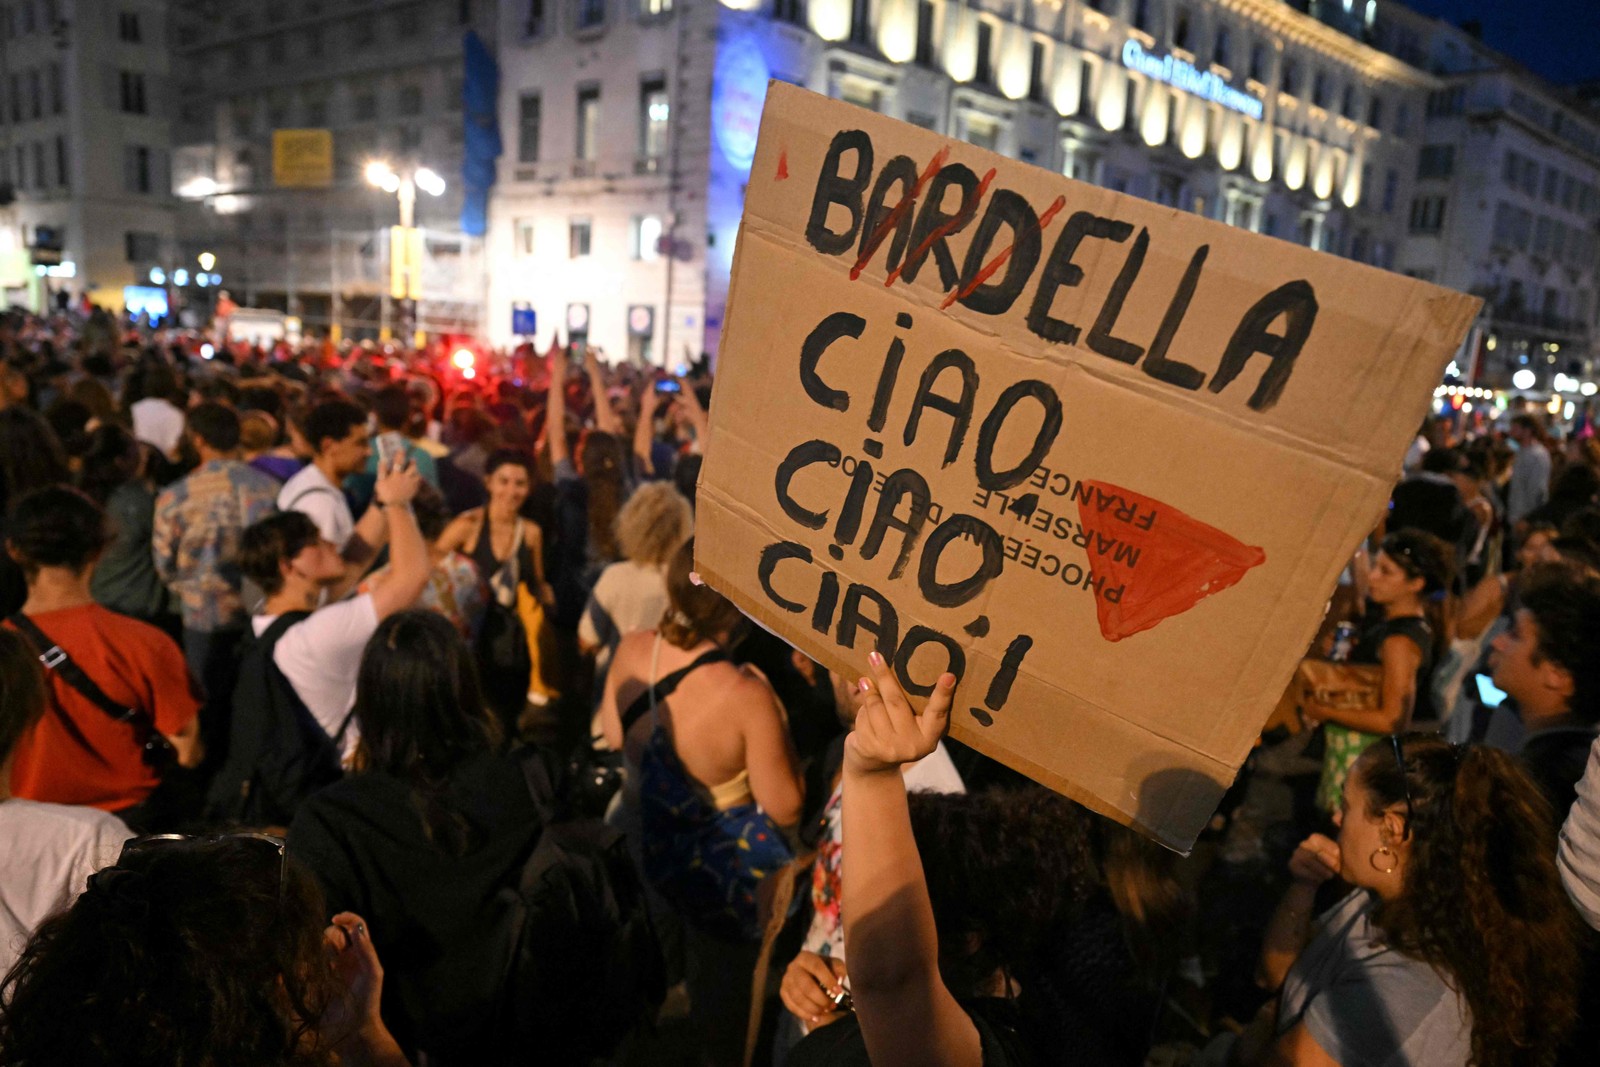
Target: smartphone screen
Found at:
666, 386
1487, 693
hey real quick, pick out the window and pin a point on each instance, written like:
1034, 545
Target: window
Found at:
132, 86
578, 233
408, 22
1552, 178
533, 22
1436, 161
861, 21
58, 101
1289, 77
1427, 214
40, 179
243, 120
314, 42
591, 14
453, 93
277, 114
980, 130
22, 167
363, 31
316, 113
410, 138
1402, 120
523, 229
16, 97
1375, 111
1180, 30
1036, 72
654, 113
1319, 89
142, 247
925, 33
128, 27
861, 93
1258, 63
528, 114
1222, 48
1141, 15
1347, 103
1391, 189
63, 172
644, 237
411, 100
791, 11
137, 177
588, 131
654, 8
35, 95
277, 48
983, 73
1446, 102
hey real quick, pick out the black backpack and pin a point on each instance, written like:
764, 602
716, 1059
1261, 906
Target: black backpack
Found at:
278, 753
567, 963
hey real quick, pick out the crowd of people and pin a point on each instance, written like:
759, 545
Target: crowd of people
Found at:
354, 709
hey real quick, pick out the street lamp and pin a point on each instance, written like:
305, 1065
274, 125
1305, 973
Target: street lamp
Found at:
382, 176
206, 261
405, 185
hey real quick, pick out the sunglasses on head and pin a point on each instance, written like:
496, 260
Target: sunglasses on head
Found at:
263, 841
1405, 783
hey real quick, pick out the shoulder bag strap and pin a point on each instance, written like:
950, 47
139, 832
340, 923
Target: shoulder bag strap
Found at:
55, 658
302, 494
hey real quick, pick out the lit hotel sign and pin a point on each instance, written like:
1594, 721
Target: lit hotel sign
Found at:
1180, 75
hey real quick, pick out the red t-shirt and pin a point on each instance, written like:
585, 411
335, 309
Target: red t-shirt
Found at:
76, 753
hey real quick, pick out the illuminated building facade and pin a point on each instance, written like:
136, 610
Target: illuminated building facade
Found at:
629, 128
1507, 207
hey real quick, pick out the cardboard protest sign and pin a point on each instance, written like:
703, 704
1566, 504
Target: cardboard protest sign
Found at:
1102, 459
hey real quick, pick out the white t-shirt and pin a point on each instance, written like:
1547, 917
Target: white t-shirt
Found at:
50, 850
157, 422
320, 657
310, 492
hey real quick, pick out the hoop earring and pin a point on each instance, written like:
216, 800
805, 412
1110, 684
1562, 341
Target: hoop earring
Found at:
1383, 850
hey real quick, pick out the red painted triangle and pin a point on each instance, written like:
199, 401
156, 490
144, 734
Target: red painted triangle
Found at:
1164, 561
783, 164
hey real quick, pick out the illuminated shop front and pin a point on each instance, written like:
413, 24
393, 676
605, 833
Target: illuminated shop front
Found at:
1245, 111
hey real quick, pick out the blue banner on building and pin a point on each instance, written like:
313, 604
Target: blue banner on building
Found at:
480, 89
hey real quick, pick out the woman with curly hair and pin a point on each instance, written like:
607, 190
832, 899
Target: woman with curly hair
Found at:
1456, 945
188, 953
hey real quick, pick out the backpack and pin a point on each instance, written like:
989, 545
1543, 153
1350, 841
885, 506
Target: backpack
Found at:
568, 963
278, 753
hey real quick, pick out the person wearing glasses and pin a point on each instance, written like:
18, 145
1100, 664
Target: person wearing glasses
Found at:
1456, 943
198, 951
1406, 587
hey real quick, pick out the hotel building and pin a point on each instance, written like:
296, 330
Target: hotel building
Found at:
629, 130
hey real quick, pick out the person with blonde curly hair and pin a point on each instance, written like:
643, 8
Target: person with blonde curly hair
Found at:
631, 594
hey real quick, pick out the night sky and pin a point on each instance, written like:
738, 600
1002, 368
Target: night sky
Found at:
1539, 34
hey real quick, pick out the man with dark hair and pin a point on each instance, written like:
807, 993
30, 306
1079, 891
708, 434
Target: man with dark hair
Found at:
336, 430
198, 522
80, 752
391, 408
1430, 500
299, 567
1530, 471
1549, 664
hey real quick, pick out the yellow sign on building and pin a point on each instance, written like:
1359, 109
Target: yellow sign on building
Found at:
302, 158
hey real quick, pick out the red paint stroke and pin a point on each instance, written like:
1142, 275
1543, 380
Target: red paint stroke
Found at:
1163, 570
944, 229
783, 165
1005, 253
898, 212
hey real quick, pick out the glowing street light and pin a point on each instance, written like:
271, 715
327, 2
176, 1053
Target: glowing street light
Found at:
382, 176
429, 181
206, 261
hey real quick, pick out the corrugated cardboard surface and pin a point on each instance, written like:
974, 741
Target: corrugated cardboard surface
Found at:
1149, 727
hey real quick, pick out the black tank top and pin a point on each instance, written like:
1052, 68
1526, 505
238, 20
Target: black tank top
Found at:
483, 554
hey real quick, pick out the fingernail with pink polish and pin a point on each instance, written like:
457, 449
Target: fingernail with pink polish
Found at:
874, 658
864, 685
